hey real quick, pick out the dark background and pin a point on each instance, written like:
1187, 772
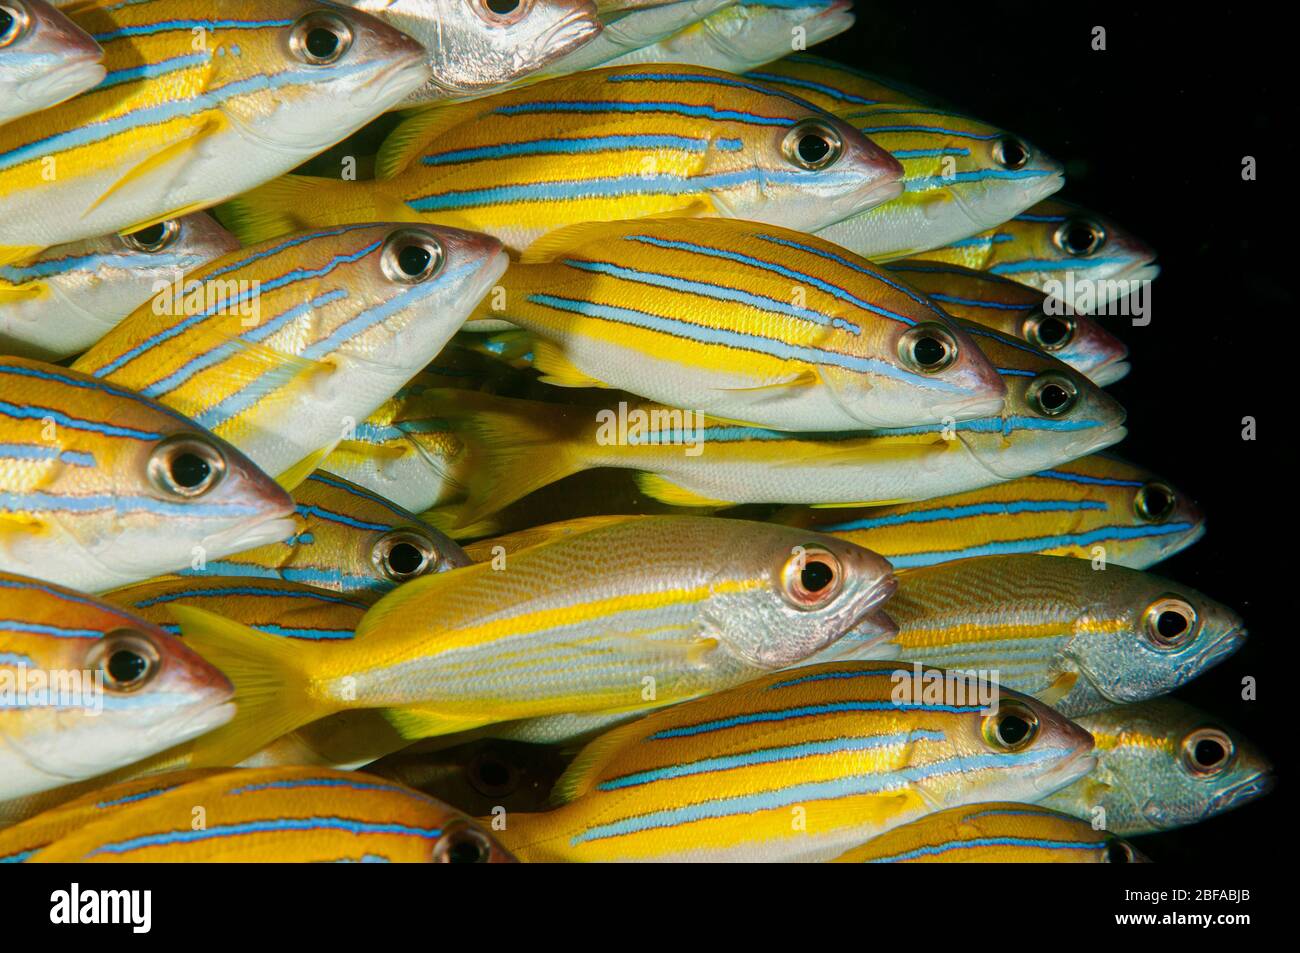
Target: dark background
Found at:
1153, 131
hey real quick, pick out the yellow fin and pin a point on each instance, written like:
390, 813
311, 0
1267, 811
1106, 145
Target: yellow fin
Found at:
13, 254
658, 488
27, 291
418, 128
582, 773
1059, 688
290, 203
292, 477
174, 151
415, 723
837, 506
556, 368
271, 676
569, 237
804, 378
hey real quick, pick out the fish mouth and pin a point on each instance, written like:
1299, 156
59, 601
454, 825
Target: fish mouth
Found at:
240, 538
984, 215
1243, 793
877, 193
1226, 645
393, 84
971, 408
1066, 772
63, 82
1108, 373
575, 30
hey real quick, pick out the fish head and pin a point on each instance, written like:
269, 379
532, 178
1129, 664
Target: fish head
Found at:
418, 282
464, 841
331, 68
1076, 339
1145, 636
122, 688
1173, 765
478, 45
737, 32
44, 57
1170, 515
177, 244
802, 591
1052, 413
1003, 175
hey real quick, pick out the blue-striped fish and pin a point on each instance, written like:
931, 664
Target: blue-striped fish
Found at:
477, 46
284, 347
294, 815
995, 833
747, 34
347, 539
100, 487
1161, 765
86, 688
1098, 507
679, 606
45, 58
628, 29
1078, 638
600, 146
960, 177
1021, 311
202, 100
1059, 248
800, 766
68, 297
743, 321
835, 87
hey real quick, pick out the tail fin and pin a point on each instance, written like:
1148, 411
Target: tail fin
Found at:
293, 203
271, 675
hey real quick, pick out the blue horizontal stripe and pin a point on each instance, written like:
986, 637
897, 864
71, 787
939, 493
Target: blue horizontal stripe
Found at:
276, 825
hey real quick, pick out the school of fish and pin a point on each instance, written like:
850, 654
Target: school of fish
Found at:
481, 431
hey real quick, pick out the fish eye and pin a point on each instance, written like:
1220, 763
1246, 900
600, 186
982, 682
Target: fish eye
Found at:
812, 145
493, 776
411, 256
186, 466
1079, 237
1170, 622
128, 660
1012, 727
1154, 502
320, 39
462, 844
1051, 332
1052, 395
1119, 852
14, 23
1010, 153
1207, 752
154, 238
502, 8
403, 555
928, 348
812, 577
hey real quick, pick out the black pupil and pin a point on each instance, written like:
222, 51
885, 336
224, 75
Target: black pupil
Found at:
1079, 239
813, 149
1171, 624
1208, 753
1155, 502
125, 667
816, 576
190, 470
322, 43
1117, 853
1013, 729
929, 351
1052, 331
1054, 397
493, 773
502, 7
467, 850
152, 235
1013, 154
405, 559
413, 260
6, 23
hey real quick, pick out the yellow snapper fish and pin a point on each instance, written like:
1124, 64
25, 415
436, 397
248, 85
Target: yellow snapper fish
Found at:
1077, 638
86, 688
800, 766
701, 314
283, 347
45, 58
189, 88
513, 447
1096, 508
748, 34
281, 815
630, 28
681, 606
348, 540
960, 177
100, 487
1061, 249
603, 145
478, 46
835, 87
1161, 765
68, 297
1020, 311
995, 833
